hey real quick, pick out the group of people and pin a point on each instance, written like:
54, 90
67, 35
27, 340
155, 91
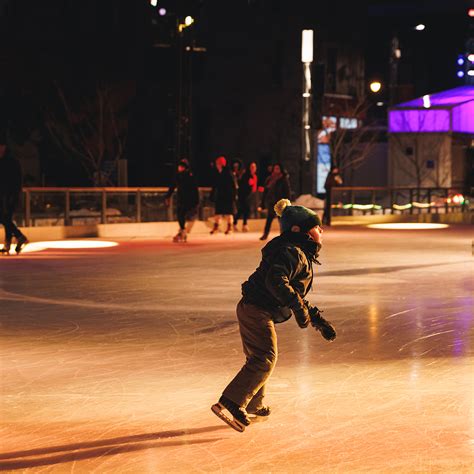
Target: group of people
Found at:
236, 191
10, 192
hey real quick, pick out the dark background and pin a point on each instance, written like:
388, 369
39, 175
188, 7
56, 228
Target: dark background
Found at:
240, 92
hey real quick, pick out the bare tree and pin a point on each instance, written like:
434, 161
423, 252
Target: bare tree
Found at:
351, 147
92, 128
412, 151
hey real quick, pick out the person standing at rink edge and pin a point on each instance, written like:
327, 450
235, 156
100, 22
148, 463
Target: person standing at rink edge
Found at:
10, 192
277, 186
187, 200
274, 292
248, 187
224, 195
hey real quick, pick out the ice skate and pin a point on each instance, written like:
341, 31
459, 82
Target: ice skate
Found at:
245, 228
239, 416
262, 411
180, 237
236, 229
228, 230
20, 244
6, 247
215, 229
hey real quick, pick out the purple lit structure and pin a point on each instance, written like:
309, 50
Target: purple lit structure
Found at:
431, 139
447, 111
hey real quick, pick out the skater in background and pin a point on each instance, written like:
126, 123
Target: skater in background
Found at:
237, 169
248, 187
277, 186
187, 200
10, 192
274, 292
333, 179
224, 195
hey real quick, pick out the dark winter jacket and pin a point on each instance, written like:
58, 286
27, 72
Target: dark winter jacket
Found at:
245, 188
279, 190
224, 192
284, 277
187, 190
10, 175
10, 182
333, 179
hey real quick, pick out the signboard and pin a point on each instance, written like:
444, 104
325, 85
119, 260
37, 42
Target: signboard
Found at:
323, 167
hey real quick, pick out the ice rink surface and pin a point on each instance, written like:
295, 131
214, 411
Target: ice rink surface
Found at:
111, 359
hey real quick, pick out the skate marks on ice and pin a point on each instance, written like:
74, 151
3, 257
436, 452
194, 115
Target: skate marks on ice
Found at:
375, 270
9, 296
67, 453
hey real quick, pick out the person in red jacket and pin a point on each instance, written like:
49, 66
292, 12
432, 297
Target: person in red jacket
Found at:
248, 187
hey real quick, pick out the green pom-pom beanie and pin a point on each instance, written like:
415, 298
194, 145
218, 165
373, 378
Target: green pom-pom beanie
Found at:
290, 215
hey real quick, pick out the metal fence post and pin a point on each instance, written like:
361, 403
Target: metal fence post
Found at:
446, 205
103, 213
429, 200
411, 200
138, 203
67, 208
373, 202
27, 208
352, 202
170, 208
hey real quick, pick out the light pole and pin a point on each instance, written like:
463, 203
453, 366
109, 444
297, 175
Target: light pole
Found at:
395, 55
306, 59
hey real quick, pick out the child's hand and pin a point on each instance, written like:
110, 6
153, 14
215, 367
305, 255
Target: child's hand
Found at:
320, 324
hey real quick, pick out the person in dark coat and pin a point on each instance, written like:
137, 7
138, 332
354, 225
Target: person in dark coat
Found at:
272, 294
248, 187
277, 186
333, 179
224, 195
187, 200
10, 191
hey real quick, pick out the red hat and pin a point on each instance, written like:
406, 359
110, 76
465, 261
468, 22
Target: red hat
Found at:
221, 160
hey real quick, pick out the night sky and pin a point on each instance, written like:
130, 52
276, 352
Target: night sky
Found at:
245, 85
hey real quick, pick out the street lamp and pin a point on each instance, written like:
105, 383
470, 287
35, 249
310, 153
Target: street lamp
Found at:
306, 59
375, 86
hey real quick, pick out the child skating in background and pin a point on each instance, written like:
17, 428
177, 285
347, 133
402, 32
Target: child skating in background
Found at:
274, 292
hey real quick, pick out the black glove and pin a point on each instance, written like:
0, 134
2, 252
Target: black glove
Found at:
320, 324
302, 317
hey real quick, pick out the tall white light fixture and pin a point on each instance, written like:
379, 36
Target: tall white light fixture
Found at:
306, 59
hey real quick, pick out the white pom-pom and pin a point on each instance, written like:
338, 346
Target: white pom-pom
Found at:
281, 205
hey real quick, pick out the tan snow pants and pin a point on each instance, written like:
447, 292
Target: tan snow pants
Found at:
259, 340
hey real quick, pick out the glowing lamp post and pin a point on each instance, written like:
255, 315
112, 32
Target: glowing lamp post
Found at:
375, 86
306, 59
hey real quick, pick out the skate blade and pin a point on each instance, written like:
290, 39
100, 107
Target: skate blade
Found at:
236, 425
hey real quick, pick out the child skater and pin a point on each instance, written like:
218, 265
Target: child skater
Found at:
274, 292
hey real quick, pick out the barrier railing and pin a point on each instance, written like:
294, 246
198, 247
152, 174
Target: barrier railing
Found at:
360, 200
74, 206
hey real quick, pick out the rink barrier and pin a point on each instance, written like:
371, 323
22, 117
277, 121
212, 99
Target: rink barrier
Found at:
365, 200
85, 206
